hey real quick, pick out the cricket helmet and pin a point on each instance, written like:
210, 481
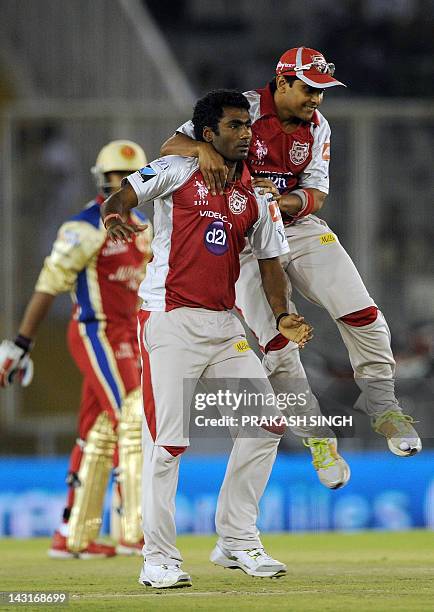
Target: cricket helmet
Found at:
117, 156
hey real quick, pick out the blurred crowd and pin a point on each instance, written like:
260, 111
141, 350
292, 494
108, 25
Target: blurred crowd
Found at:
380, 47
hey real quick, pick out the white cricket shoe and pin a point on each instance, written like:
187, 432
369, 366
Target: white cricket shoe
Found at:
332, 469
164, 576
254, 562
402, 438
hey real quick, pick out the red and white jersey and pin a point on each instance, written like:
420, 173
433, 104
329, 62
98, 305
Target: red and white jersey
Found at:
198, 237
297, 160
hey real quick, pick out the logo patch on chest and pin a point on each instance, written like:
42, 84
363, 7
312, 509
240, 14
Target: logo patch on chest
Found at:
299, 152
260, 148
237, 202
201, 198
215, 238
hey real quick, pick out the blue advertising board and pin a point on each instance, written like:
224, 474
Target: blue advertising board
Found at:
385, 492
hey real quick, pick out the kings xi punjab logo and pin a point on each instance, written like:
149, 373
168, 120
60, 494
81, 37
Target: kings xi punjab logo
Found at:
237, 202
298, 152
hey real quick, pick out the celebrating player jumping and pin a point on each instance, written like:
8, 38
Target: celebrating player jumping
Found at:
289, 156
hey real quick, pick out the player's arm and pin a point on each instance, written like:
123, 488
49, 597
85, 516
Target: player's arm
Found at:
14, 356
293, 203
115, 213
156, 180
75, 244
275, 286
211, 164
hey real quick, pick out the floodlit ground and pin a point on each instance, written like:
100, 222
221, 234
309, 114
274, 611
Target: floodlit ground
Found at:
373, 571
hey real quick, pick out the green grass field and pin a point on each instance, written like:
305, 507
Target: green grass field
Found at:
368, 571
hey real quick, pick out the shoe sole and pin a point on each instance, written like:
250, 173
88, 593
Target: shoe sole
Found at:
400, 453
185, 582
343, 482
234, 565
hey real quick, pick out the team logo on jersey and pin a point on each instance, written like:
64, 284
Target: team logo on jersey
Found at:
298, 152
215, 238
201, 193
237, 202
261, 148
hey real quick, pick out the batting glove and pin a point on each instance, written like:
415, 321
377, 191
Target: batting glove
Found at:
14, 362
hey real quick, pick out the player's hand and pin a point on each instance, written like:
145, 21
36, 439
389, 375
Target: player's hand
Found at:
295, 329
213, 168
122, 231
267, 186
15, 362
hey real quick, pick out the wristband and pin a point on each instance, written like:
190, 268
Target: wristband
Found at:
23, 343
280, 317
307, 203
111, 216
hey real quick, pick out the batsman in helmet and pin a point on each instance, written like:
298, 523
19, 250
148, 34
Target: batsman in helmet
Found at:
103, 278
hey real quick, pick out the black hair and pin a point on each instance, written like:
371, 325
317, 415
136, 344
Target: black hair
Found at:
289, 79
209, 109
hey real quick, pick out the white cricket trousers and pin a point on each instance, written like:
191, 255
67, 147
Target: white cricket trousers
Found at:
323, 272
190, 343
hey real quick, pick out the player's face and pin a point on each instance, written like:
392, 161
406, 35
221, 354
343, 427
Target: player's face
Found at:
234, 134
301, 99
114, 179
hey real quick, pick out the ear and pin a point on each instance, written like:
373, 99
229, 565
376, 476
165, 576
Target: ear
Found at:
281, 83
208, 134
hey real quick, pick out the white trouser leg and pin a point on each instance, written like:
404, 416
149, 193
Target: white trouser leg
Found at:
246, 477
159, 483
287, 376
249, 466
373, 364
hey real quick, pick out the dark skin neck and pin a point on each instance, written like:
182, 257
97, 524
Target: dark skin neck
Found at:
234, 172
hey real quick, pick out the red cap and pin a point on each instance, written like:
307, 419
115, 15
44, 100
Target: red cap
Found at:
308, 65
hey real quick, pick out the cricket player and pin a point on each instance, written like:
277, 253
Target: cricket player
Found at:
289, 156
103, 278
186, 330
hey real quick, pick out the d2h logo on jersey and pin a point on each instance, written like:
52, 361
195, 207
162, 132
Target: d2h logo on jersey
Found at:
237, 202
215, 238
298, 152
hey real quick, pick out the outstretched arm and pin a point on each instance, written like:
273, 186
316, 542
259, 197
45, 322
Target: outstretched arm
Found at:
275, 286
36, 311
211, 164
115, 213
